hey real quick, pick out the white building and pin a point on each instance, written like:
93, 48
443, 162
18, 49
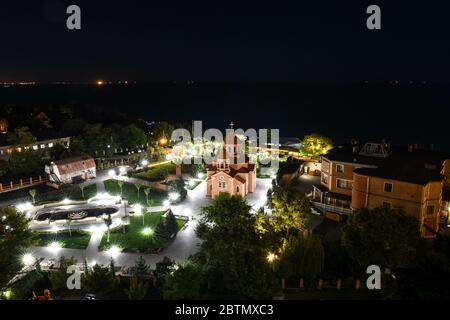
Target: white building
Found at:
70, 170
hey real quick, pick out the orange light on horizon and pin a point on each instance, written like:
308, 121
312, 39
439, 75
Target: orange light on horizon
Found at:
100, 82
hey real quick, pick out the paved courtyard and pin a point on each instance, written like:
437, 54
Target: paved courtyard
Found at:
184, 245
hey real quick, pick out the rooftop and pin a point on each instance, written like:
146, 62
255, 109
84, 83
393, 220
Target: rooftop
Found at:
409, 164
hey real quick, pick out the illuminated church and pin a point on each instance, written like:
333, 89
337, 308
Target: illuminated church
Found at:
231, 172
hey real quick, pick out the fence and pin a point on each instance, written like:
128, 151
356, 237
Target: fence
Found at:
22, 183
326, 207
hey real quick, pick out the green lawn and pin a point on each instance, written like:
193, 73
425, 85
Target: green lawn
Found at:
130, 193
74, 194
134, 240
195, 184
157, 173
78, 240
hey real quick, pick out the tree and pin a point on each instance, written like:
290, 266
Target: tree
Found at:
99, 280
141, 269
138, 289
108, 222
382, 236
146, 192
21, 136
15, 239
171, 223
32, 193
138, 187
290, 209
302, 257
161, 232
183, 284
120, 184
315, 145
59, 152
163, 267
58, 278
179, 187
233, 252
82, 190
69, 224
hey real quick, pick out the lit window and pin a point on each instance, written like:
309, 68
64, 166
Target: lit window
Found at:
341, 184
388, 187
42, 146
35, 147
50, 145
324, 178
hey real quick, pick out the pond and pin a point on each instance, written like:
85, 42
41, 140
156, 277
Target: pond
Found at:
74, 214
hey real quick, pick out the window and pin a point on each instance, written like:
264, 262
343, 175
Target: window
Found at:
388, 187
35, 147
340, 168
430, 210
50, 145
222, 183
237, 189
325, 178
325, 166
341, 184
42, 146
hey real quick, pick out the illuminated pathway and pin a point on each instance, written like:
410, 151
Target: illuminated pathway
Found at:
184, 244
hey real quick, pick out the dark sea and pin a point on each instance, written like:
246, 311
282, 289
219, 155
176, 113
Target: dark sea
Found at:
400, 113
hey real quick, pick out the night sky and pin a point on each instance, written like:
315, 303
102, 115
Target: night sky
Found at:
224, 40
300, 66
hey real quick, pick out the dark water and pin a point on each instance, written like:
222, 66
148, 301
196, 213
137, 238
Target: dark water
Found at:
62, 215
400, 113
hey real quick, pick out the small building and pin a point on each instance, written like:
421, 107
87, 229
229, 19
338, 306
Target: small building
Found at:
71, 170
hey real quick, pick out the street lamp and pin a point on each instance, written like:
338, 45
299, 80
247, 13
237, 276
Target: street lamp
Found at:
114, 251
111, 173
174, 196
28, 259
271, 257
144, 163
147, 231
54, 247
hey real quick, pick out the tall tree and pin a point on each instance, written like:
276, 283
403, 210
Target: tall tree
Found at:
15, 239
233, 252
58, 278
138, 289
141, 269
290, 209
32, 193
99, 280
183, 284
382, 236
315, 145
171, 223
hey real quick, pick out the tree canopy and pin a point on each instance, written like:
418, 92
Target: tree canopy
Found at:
15, 239
382, 236
315, 145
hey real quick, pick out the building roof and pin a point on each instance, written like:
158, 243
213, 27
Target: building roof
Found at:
407, 164
420, 176
75, 164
